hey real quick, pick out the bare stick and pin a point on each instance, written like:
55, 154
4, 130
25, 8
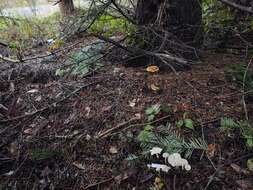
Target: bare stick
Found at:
9, 59
243, 96
236, 6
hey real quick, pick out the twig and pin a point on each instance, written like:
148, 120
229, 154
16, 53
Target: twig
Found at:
9, 59
109, 131
122, 12
98, 183
137, 51
237, 6
226, 164
3, 44
48, 107
243, 88
142, 124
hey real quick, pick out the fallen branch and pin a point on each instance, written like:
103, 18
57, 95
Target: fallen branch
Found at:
111, 132
237, 6
3, 44
8, 59
98, 183
138, 51
243, 97
119, 126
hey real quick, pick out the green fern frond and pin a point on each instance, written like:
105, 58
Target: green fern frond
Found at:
171, 142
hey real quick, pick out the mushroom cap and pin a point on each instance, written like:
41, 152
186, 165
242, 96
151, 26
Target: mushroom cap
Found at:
177, 156
155, 150
166, 155
184, 162
187, 167
165, 168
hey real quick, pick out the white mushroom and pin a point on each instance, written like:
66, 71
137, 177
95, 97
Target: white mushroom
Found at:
166, 156
165, 168
156, 151
183, 162
177, 156
159, 167
174, 159
187, 167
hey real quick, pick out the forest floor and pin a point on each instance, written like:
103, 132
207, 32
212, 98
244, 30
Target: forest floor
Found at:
68, 132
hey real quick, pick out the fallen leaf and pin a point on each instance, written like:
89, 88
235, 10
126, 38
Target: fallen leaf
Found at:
38, 98
154, 87
158, 183
28, 131
212, 150
87, 109
138, 116
250, 164
113, 150
33, 91
107, 108
78, 165
10, 173
14, 148
12, 87
239, 170
152, 69
124, 176
88, 137
132, 103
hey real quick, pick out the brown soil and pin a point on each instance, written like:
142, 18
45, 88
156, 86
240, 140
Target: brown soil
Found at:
53, 115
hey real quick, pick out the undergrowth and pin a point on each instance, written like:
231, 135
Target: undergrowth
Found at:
238, 74
229, 125
164, 137
24, 32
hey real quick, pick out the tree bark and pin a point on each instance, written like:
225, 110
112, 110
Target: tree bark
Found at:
66, 7
183, 18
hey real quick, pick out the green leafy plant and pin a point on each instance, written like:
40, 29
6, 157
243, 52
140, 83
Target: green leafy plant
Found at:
228, 125
236, 73
165, 138
152, 111
84, 61
185, 122
246, 131
110, 26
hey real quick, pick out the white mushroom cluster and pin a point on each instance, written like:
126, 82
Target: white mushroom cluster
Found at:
174, 160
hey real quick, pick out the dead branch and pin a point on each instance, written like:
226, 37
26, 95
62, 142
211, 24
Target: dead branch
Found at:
138, 51
8, 59
237, 6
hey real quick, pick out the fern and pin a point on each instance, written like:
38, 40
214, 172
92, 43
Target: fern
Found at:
170, 142
228, 124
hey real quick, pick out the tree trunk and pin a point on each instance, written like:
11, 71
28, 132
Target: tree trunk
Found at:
183, 18
66, 7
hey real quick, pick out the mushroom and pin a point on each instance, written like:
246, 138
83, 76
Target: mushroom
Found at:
159, 167
166, 156
174, 159
187, 167
183, 162
165, 168
156, 151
